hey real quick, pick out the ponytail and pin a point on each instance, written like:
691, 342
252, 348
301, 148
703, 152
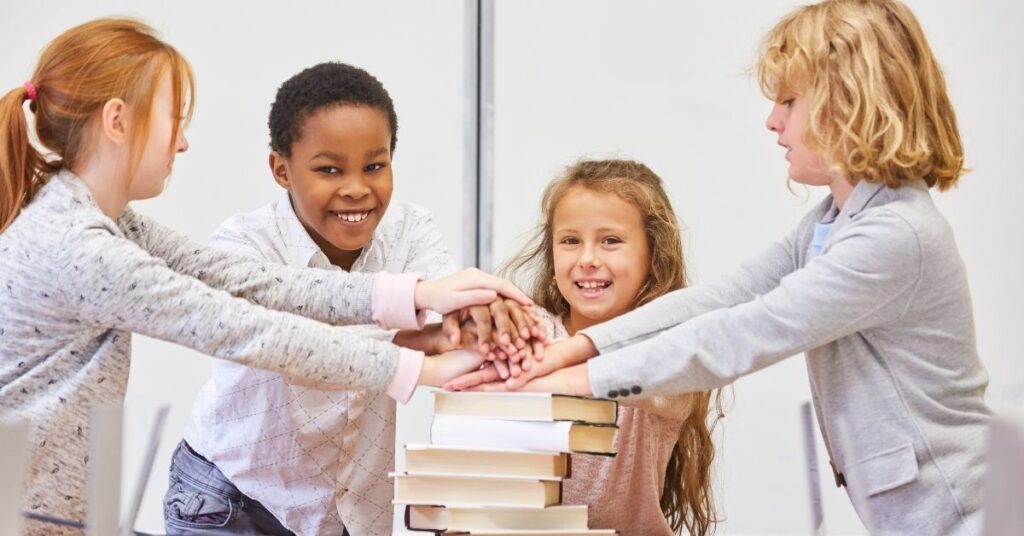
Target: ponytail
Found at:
20, 163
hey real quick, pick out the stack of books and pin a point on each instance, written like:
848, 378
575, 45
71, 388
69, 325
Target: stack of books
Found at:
496, 462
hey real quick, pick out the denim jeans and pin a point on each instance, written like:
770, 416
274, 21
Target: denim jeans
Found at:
201, 500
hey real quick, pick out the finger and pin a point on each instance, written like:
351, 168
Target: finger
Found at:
502, 368
538, 333
514, 369
504, 327
467, 333
517, 381
465, 381
496, 386
470, 297
481, 315
520, 318
504, 288
451, 329
527, 358
538, 351
514, 357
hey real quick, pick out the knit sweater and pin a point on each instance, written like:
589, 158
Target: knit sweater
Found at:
75, 284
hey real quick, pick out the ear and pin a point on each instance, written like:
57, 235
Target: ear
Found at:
114, 121
279, 168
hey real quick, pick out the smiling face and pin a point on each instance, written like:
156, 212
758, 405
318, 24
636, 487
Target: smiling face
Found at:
339, 178
601, 255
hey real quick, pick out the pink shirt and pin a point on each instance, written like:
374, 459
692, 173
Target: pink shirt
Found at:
624, 491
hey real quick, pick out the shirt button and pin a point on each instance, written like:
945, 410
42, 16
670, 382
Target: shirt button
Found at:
613, 393
623, 392
636, 389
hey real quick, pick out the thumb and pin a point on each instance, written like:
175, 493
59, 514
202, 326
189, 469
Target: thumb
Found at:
450, 328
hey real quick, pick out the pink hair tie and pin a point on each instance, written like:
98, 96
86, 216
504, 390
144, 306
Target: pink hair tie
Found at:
30, 88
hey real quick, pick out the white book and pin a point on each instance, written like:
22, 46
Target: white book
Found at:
435, 459
451, 519
476, 491
556, 436
526, 407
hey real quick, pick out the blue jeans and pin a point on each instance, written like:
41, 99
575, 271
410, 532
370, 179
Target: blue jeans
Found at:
201, 500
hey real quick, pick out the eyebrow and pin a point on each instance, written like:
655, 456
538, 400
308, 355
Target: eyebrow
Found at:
613, 230
378, 152
334, 156
328, 154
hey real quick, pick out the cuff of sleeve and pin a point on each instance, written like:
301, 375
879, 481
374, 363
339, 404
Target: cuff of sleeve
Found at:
394, 302
410, 363
600, 373
603, 339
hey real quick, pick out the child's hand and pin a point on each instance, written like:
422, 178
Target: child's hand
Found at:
568, 381
566, 353
433, 339
440, 369
464, 289
505, 329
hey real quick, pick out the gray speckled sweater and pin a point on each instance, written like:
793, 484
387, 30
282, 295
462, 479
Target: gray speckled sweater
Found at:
74, 285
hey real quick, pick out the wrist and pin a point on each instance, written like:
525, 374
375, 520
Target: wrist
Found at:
582, 349
424, 340
427, 373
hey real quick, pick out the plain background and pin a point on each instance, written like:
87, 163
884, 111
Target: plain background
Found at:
666, 83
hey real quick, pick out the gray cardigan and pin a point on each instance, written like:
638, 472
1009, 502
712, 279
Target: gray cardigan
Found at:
74, 285
884, 316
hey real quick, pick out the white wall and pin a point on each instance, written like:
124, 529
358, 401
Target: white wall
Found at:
242, 52
661, 82
667, 83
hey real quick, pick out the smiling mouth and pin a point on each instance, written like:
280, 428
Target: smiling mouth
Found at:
350, 216
592, 289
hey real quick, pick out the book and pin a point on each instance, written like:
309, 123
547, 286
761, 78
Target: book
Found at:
526, 407
554, 436
570, 532
435, 459
444, 518
476, 491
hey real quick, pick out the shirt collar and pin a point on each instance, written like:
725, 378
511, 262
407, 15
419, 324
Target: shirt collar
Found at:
302, 250
861, 195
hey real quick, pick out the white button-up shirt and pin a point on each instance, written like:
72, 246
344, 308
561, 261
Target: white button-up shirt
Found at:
318, 460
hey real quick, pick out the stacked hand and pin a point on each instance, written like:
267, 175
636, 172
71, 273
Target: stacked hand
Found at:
465, 289
560, 368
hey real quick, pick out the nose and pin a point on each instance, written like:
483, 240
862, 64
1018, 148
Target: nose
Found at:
354, 188
182, 144
589, 257
775, 122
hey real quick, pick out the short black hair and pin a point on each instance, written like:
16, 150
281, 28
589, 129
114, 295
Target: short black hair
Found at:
321, 86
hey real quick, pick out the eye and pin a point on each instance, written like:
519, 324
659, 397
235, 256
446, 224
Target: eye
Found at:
611, 241
376, 166
788, 102
569, 241
328, 170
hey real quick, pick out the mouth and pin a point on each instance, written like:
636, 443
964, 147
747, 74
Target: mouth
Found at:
787, 148
592, 288
351, 218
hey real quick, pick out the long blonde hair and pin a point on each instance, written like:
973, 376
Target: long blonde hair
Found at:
877, 101
77, 74
686, 499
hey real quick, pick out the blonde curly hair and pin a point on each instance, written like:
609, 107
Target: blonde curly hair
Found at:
877, 102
